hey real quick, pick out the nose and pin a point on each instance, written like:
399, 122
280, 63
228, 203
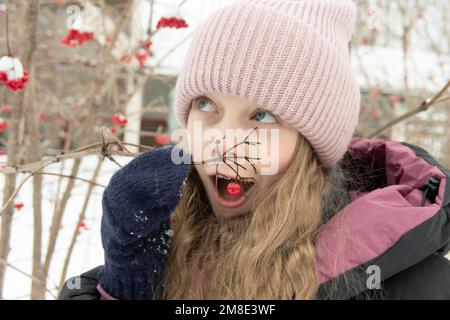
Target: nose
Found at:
225, 146
231, 148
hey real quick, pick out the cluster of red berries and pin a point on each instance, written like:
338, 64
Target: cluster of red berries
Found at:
3, 125
76, 38
142, 54
119, 120
173, 22
14, 84
142, 57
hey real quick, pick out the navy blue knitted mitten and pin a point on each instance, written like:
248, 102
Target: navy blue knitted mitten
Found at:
135, 226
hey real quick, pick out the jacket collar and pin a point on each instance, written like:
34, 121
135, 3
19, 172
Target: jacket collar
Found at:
375, 220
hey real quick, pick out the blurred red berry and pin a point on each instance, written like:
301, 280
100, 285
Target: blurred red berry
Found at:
18, 205
125, 58
119, 119
5, 109
172, 22
82, 226
3, 125
147, 44
76, 38
162, 139
394, 99
142, 57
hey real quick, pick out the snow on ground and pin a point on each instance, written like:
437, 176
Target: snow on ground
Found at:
88, 252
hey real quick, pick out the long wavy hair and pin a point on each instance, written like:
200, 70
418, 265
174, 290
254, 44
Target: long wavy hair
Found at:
265, 254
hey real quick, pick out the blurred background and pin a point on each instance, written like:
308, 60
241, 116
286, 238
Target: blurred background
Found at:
94, 85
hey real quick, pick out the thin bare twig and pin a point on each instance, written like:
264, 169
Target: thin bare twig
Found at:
35, 167
34, 279
81, 217
425, 105
8, 46
72, 177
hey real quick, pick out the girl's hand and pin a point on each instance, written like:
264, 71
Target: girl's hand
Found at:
135, 227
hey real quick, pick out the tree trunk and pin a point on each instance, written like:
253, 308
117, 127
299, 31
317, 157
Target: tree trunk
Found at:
26, 31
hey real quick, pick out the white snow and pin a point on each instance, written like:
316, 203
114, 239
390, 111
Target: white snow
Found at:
88, 252
12, 66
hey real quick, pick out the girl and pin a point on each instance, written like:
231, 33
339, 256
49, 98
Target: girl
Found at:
321, 214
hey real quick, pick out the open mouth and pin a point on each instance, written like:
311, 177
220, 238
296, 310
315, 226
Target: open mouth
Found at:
231, 192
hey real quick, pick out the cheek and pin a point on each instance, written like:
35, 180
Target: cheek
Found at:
190, 132
288, 140
192, 138
198, 139
278, 152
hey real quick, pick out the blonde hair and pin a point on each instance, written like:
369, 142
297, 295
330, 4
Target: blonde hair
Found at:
265, 254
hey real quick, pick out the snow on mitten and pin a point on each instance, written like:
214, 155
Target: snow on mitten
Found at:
135, 226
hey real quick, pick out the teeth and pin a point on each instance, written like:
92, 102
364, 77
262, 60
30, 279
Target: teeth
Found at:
224, 177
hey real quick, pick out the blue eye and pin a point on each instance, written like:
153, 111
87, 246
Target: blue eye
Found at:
204, 106
265, 117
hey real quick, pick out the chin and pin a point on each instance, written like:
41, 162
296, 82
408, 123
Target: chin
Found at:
227, 213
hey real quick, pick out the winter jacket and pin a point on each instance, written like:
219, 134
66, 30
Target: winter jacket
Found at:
389, 242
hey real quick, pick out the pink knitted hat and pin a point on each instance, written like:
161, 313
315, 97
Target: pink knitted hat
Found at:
288, 56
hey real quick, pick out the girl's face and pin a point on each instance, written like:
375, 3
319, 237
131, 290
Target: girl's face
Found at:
222, 131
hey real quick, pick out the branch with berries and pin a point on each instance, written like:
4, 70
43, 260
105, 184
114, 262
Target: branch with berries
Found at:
104, 148
12, 74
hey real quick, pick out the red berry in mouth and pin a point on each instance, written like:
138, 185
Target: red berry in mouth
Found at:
233, 189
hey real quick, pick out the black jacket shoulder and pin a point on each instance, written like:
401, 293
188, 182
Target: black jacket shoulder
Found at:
427, 280
82, 287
